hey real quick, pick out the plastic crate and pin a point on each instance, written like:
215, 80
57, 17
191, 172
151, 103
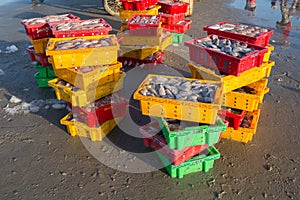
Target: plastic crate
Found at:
196, 164
171, 19
260, 40
224, 62
61, 59
234, 119
103, 113
244, 101
42, 82
144, 29
156, 141
177, 38
42, 30
99, 76
232, 82
268, 54
179, 27
138, 4
243, 134
40, 45
148, 63
192, 136
127, 14
175, 8
178, 109
38, 57
148, 40
85, 31
138, 53
76, 128
81, 97
45, 71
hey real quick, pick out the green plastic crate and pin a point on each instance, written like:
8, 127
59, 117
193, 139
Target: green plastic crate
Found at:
42, 82
177, 38
196, 164
192, 136
45, 71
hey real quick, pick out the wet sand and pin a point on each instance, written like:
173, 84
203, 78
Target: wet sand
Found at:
41, 161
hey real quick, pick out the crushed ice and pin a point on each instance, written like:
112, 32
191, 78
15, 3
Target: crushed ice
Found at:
10, 49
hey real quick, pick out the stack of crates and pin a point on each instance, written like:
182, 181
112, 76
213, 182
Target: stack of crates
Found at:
244, 79
88, 74
173, 13
189, 147
143, 41
39, 31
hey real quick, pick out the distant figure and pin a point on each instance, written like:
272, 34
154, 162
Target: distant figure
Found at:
250, 6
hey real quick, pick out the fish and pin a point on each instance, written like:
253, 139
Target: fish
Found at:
151, 19
226, 46
80, 25
81, 43
179, 89
50, 18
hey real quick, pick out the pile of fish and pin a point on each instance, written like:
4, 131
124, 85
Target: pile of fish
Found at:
81, 43
69, 85
50, 18
179, 89
246, 123
246, 89
104, 101
242, 29
231, 47
177, 125
171, 2
145, 19
80, 25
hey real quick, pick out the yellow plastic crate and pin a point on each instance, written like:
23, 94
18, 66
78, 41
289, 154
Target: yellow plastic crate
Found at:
76, 128
81, 97
244, 101
127, 14
61, 59
243, 134
268, 54
137, 40
178, 109
40, 45
89, 80
142, 53
231, 82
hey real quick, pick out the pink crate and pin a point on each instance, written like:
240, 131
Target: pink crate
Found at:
173, 8
223, 62
260, 40
138, 4
38, 57
157, 142
179, 27
144, 29
148, 63
171, 19
82, 32
234, 119
41, 30
103, 113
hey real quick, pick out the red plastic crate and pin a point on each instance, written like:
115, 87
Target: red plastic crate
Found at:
82, 32
138, 4
144, 29
234, 119
157, 142
179, 27
41, 30
38, 57
260, 40
148, 63
171, 19
224, 62
175, 7
103, 113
